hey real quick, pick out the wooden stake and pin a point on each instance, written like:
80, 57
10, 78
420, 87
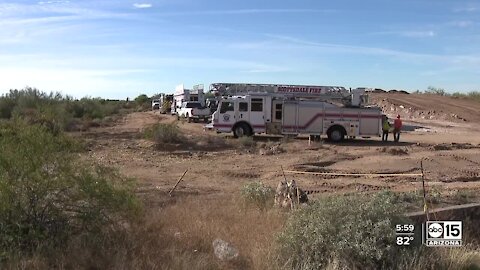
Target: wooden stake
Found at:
425, 207
178, 182
284, 177
298, 195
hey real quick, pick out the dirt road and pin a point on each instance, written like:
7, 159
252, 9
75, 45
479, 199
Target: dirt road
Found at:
220, 165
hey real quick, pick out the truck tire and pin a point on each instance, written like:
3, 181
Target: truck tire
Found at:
241, 130
336, 134
188, 118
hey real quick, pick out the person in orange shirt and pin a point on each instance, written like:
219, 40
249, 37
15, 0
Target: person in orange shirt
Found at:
397, 126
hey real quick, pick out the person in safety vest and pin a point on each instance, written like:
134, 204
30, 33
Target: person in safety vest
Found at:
385, 129
397, 126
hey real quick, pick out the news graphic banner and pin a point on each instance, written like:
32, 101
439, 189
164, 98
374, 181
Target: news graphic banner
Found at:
443, 233
433, 234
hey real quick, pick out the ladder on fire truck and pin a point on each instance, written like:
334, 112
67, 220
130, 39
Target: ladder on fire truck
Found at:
349, 98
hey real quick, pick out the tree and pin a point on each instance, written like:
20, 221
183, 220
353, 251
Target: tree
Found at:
436, 91
142, 99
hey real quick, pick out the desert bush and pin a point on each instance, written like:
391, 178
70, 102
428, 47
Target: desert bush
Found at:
436, 91
333, 230
53, 109
258, 195
398, 151
246, 142
143, 102
409, 197
434, 194
47, 195
463, 196
141, 99
164, 133
473, 95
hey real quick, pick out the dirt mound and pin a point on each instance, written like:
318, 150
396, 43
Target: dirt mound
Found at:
363, 187
395, 151
451, 146
424, 106
269, 149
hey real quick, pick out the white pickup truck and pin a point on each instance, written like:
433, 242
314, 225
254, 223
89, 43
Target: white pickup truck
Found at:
192, 110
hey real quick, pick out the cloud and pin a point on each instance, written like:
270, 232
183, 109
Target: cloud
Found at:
245, 11
142, 5
461, 24
53, 2
410, 34
461, 61
466, 9
418, 34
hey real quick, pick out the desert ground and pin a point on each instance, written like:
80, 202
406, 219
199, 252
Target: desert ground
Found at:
443, 132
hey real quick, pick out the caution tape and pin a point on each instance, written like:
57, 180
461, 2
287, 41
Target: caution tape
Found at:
357, 174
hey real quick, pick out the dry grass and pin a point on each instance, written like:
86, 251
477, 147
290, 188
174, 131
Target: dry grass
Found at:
178, 236
443, 258
198, 222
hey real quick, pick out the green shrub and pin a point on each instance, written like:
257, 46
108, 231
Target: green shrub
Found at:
143, 102
48, 195
53, 110
463, 196
409, 197
164, 134
434, 194
258, 195
351, 232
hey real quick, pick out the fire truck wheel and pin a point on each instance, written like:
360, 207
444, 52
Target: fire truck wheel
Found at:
336, 134
241, 130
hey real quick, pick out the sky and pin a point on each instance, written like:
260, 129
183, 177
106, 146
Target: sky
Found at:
123, 48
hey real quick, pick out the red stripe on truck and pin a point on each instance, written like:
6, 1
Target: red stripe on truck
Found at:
337, 115
230, 126
313, 119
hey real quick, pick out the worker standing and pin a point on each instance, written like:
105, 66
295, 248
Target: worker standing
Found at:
397, 126
385, 129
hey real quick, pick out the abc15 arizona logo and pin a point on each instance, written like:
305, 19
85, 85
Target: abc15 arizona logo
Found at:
443, 233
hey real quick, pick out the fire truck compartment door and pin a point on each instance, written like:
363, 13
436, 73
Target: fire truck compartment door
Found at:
257, 113
290, 119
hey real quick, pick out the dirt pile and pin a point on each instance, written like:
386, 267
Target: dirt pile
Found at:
451, 146
429, 107
392, 108
270, 149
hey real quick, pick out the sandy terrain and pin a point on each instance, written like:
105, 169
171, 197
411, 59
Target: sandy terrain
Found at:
218, 165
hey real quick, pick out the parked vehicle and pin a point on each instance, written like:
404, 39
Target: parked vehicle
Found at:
212, 104
155, 104
293, 110
193, 110
182, 95
162, 102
